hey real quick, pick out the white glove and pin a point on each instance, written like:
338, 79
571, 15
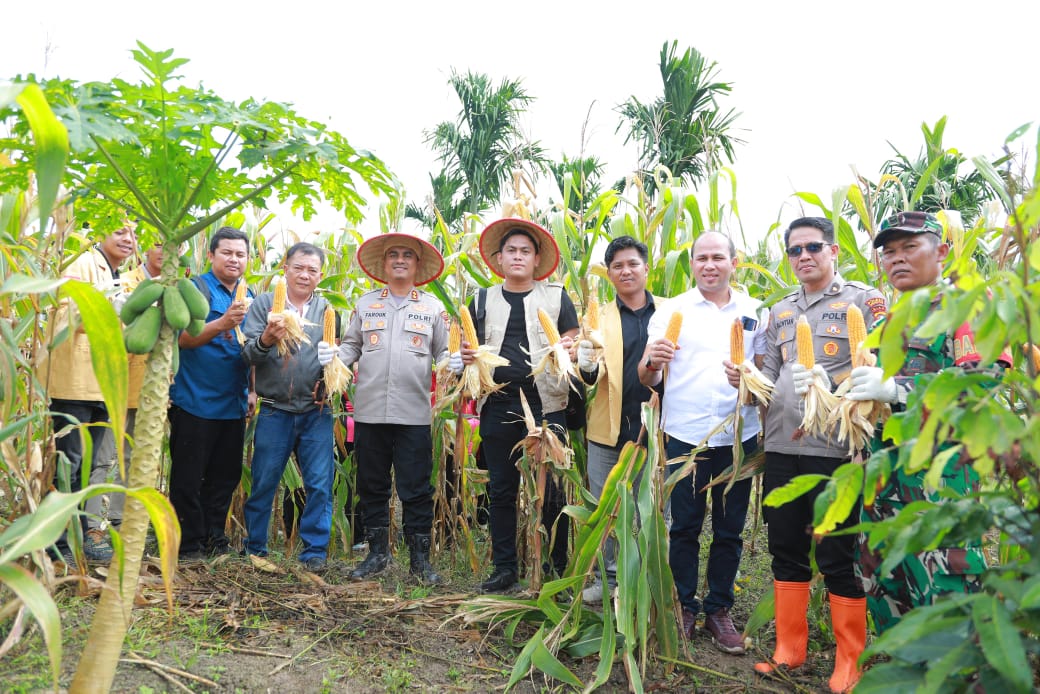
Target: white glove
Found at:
325, 353
867, 384
455, 362
118, 299
802, 377
587, 356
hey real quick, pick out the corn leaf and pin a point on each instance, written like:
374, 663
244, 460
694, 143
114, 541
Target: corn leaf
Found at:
37, 600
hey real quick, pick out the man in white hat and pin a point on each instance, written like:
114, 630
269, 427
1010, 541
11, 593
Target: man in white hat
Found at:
395, 336
506, 318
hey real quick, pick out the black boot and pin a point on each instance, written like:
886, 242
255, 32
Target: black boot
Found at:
421, 568
378, 555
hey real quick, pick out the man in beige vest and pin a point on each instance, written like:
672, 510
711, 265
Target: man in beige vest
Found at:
67, 373
523, 254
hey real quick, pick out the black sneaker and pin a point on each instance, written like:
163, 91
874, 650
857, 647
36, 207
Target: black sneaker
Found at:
501, 581
313, 564
96, 545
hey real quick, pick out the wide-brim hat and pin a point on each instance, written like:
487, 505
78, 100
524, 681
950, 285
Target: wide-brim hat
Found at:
904, 223
371, 254
491, 245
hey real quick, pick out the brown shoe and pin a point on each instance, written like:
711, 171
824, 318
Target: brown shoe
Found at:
723, 634
689, 623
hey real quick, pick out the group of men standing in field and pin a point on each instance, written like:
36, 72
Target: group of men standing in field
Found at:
397, 333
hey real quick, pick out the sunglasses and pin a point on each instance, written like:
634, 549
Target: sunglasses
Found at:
814, 247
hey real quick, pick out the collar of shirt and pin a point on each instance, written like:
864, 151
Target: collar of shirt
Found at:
622, 306
302, 311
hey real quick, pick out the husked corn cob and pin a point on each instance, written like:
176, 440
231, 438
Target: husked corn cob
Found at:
329, 335
455, 336
469, 331
549, 326
592, 314
278, 305
1035, 354
857, 330
736, 342
805, 349
240, 290
671, 333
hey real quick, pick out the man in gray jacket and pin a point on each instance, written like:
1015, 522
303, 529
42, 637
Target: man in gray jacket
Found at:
395, 335
289, 418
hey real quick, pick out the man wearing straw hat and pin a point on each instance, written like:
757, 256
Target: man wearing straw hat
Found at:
395, 336
506, 318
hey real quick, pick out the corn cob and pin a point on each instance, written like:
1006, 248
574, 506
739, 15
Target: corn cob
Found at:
329, 335
549, 327
674, 327
736, 342
469, 331
857, 330
1035, 354
278, 305
455, 336
592, 314
805, 349
240, 291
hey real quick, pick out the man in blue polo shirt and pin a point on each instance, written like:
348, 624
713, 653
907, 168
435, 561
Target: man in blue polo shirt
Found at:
210, 400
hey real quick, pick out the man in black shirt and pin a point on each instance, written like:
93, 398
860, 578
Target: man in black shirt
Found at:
614, 418
523, 254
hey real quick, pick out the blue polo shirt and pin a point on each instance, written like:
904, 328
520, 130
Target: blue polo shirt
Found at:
213, 380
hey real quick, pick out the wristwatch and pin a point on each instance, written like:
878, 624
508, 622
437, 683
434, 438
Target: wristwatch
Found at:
649, 364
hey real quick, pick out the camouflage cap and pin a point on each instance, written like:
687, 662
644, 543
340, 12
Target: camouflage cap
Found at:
908, 223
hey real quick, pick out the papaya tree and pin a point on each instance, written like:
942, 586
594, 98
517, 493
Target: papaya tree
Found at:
177, 159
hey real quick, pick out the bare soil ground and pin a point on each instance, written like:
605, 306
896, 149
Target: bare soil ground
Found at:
239, 628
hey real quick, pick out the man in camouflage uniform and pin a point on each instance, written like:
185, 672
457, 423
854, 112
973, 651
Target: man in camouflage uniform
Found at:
912, 255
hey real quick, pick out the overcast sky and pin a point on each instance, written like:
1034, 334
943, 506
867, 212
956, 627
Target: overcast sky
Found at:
821, 86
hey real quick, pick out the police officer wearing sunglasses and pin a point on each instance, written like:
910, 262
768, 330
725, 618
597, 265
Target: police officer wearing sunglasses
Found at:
823, 297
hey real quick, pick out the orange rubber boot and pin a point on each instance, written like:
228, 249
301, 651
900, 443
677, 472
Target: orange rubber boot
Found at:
792, 626
849, 619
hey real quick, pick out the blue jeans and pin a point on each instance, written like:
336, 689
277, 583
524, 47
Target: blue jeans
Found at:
728, 514
279, 434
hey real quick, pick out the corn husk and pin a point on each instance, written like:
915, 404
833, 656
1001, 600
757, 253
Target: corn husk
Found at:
337, 375
854, 421
818, 401
294, 324
478, 380
555, 360
241, 295
752, 381
590, 325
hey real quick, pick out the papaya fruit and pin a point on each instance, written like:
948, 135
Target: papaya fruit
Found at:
140, 336
177, 314
198, 307
143, 296
195, 327
176, 357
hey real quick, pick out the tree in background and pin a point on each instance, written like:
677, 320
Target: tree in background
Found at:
684, 130
178, 159
482, 147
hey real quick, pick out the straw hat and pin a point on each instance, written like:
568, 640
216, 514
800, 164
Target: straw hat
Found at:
371, 253
491, 243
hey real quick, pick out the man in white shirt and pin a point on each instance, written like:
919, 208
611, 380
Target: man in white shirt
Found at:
697, 398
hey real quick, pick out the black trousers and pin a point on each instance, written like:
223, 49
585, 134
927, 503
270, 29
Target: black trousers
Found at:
205, 468
501, 428
408, 449
790, 528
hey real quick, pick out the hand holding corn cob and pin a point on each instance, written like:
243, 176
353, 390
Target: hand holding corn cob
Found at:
819, 401
284, 327
557, 360
337, 375
863, 404
240, 298
751, 384
479, 360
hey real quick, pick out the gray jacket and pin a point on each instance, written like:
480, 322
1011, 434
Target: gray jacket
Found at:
395, 348
285, 383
